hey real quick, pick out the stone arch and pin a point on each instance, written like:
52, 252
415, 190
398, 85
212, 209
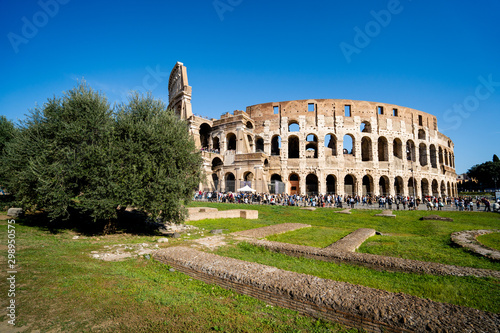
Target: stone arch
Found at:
312, 184
367, 185
422, 152
294, 181
433, 156
230, 182
350, 184
398, 186
445, 157
266, 163
231, 141
215, 143
450, 159
443, 189
293, 126
205, 131
331, 144
448, 189
424, 185
435, 188
275, 145
383, 185
250, 142
421, 134
311, 146
331, 184
365, 127
349, 144
366, 149
410, 151
276, 177
217, 164
248, 176
249, 125
441, 159
412, 186
259, 145
293, 147
383, 149
397, 148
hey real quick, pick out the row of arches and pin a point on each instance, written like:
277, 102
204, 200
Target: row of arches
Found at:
351, 185
427, 154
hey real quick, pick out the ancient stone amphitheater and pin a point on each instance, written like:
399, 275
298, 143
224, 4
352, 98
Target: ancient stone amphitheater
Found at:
320, 146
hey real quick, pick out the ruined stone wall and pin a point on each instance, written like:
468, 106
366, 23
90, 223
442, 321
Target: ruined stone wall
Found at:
388, 142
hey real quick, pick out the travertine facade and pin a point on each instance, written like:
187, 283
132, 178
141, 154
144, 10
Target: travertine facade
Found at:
321, 146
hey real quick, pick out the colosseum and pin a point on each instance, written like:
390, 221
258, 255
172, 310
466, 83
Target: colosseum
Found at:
320, 146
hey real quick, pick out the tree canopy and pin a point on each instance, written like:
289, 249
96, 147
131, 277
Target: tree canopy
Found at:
486, 173
77, 156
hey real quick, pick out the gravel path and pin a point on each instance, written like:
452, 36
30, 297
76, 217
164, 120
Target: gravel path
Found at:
395, 311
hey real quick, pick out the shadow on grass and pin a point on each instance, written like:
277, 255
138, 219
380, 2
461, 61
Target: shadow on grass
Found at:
131, 222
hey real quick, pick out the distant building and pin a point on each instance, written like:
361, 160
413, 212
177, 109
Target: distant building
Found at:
320, 146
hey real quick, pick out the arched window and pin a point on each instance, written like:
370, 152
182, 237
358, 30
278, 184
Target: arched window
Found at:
275, 145
231, 141
205, 131
249, 125
421, 134
367, 186
259, 145
348, 146
410, 151
433, 156
331, 144
398, 186
383, 185
422, 151
293, 126
215, 144
311, 184
349, 185
383, 149
230, 182
330, 184
365, 127
425, 188
312, 146
397, 148
293, 147
366, 149
217, 164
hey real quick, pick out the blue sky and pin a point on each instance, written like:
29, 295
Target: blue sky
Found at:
441, 57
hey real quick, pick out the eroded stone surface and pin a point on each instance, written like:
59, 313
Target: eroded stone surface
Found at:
353, 241
386, 213
395, 311
468, 240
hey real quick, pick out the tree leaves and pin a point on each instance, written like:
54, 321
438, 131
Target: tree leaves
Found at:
77, 156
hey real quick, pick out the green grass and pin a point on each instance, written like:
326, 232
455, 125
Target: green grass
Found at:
490, 240
60, 288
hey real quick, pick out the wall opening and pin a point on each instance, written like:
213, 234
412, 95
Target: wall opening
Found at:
310, 107
394, 112
422, 152
215, 144
348, 144
311, 184
410, 151
293, 147
347, 110
275, 145
398, 186
349, 185
331, 145
231, 141
365, 127
433, 156
330, 184
293, 127
380, 109
312, 146
421, 134
424, 185
259, 145
367, 186
383, 149
205, 131
276, 109
397, 148
230, 182
366, 149
383, 185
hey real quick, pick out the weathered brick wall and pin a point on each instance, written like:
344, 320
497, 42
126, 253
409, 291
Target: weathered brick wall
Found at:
351, 305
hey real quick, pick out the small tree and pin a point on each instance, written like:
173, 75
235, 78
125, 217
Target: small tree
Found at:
7, 131
157, 161
495, 158
75, 157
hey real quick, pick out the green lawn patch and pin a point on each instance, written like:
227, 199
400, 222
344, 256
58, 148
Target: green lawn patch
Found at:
490, 240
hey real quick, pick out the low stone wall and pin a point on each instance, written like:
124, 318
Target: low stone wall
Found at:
374, 261
351, 305
201, 213
353, 241
467, 239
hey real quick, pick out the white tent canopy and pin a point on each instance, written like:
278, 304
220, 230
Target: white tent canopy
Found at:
246, 188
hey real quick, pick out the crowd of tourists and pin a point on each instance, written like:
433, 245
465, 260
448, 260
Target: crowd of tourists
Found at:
366, 201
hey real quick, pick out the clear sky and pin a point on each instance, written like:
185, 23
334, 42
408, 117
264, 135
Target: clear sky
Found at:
441, 57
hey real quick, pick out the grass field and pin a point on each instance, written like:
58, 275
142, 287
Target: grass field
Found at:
60, 288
